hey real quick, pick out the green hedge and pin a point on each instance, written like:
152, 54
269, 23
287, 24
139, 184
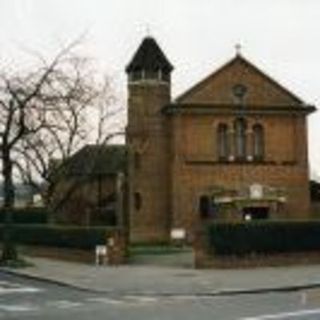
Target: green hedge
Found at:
27, 216
265, 237
59, 236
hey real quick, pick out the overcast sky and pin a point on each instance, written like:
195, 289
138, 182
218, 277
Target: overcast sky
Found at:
282, 37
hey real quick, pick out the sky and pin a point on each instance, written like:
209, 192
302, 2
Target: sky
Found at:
282, 37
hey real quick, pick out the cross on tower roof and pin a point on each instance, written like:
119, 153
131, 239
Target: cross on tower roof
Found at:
148, 30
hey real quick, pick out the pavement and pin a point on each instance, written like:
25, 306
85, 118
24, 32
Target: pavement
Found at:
30, 299
169, 281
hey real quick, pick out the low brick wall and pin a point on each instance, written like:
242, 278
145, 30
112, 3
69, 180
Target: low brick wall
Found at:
202, 257
117, 247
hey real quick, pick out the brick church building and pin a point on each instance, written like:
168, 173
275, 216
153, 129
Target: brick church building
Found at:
232, 147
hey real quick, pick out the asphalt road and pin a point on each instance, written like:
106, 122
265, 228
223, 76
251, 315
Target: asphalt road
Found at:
22, 298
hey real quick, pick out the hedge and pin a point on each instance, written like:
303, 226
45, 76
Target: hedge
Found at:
263, 237
59, 236
27, 216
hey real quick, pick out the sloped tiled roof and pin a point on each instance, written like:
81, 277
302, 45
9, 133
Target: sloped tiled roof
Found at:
149, 57
94, 160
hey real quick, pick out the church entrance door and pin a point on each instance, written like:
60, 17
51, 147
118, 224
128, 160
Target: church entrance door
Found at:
256, 213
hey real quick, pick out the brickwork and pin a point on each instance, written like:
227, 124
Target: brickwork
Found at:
173, 157
195, 167
216, 88
117, 252
147, 137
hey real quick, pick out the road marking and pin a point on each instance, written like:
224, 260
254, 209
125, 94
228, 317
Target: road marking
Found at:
284, 315
186, 298
141, 300
106, 300
126, 300
64, 304
18, 307
19, 290
12, 287
304, 298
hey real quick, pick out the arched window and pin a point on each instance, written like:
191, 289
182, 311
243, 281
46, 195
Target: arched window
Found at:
137, 160
204, 207
137, 201
222, 141
240, 127
207, 207
258, 142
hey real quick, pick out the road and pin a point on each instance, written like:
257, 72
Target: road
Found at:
22, 298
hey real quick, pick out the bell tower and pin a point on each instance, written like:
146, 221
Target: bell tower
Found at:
149, 75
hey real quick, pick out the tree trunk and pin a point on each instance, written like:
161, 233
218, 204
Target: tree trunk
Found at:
9, 251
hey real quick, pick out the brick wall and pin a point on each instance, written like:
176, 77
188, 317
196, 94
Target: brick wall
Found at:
195, 167
179, 153
117, 244
216, 88
194, 161
147, 140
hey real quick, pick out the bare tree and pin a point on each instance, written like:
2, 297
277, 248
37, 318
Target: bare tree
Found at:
108, 122
49, 113
83, 110
92, 116
41, 113
65, 129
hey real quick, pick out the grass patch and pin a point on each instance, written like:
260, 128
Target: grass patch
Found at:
16, 264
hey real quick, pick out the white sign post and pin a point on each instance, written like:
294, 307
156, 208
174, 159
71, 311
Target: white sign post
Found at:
101, 254
178, 235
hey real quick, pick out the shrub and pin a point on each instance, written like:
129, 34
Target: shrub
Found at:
27, 216
59, 236
263, 237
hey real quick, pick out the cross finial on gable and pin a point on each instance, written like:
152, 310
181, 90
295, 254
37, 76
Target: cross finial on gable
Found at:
238, 48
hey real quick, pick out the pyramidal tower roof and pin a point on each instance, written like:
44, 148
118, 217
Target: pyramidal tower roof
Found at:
149, 57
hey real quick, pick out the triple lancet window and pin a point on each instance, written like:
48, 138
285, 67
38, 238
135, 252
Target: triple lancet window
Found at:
240, 128
240, 142
223, 141
258, 142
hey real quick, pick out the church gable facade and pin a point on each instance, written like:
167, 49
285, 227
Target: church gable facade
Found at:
233, 147
264, 91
